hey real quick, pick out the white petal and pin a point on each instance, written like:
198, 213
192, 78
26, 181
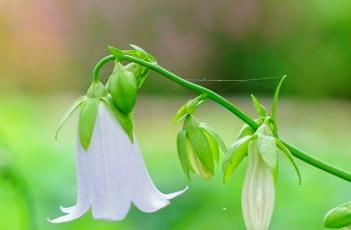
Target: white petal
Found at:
83, 203
111, 149
145, 194
258, 192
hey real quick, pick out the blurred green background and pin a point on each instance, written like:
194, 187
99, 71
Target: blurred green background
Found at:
48, 50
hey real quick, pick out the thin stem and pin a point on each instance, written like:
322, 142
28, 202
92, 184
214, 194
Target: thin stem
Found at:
99, 65
229, 106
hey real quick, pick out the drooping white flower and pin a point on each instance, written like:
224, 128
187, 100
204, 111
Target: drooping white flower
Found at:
111, 175
258, 193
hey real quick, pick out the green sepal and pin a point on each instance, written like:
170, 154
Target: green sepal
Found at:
68, 114
116, 52
261, 110
189, 108
245, 130
288, 154
199, 143
96, 90
217, 138
182, 153
140, 72
234, 155
275, 99
338, 217
87, 119
213, 145
123, 88
125, 120
140, 53
267, 148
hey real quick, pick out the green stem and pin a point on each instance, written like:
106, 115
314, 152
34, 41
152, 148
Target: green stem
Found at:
229, 106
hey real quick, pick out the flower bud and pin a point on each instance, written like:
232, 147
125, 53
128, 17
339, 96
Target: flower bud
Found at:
339, 217
123, 87
198, 148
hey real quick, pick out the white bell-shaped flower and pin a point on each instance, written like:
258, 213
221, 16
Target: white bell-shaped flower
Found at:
111, 175
258, 191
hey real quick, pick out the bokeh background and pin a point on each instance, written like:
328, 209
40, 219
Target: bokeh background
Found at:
48, 50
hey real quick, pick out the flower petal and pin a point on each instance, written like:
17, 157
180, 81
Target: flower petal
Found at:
145, 194
258, 192
83, 203
110, 149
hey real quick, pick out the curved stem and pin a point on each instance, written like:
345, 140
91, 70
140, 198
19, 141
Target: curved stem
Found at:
229, 106
99, 65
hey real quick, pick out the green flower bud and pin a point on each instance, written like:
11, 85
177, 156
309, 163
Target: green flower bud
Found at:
123, 87
198, 148
338, 217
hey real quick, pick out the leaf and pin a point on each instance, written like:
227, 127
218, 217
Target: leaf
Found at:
275, 99
261, 110
189, 108
267, 148
148, 56
126, 121
288, 154
234, 155
68, 114
87, 118
182, 153
199, 143
116, 52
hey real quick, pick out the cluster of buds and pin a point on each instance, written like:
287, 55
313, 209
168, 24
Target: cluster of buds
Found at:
198, 145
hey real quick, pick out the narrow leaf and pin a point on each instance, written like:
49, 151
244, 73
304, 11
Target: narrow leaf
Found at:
261, 110
234, 155
288, 154
87, 118
68, 114
182, 153
116, 52
275, 99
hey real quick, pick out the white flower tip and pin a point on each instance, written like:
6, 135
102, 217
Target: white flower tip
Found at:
175, 194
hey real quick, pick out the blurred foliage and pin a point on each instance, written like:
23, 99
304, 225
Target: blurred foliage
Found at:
49, 166
50, 46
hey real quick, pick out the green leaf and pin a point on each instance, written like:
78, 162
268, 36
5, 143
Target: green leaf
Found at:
68, 114
116, 52
234, 155
288, 154
87, 118
146, 55
123, 88
199, 143
267, 148
261, 110
182, 153
126, 121
275, 99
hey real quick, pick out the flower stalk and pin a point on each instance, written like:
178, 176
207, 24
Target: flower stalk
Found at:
302, 155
